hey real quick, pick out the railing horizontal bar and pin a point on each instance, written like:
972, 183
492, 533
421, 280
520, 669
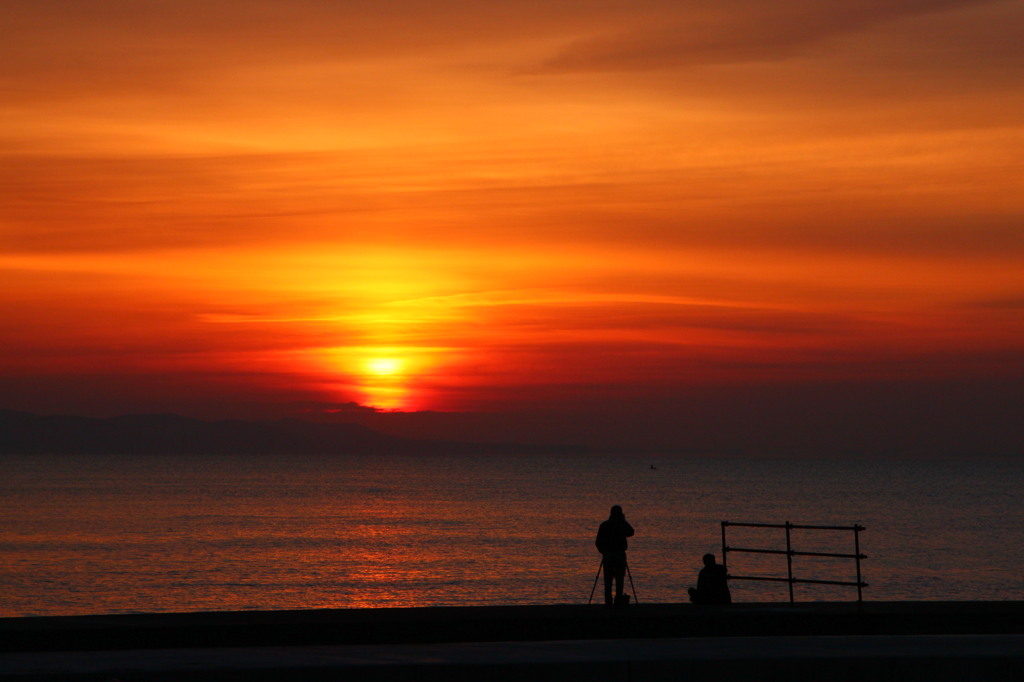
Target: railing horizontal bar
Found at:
796, 580
829, 554
829, 527
829, 582
754, 525
795, 553
756, 551
791, 525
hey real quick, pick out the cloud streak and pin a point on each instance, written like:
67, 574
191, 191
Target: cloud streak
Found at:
685, 34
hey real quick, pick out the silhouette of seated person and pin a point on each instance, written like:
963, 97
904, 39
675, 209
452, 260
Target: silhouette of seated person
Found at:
612, 544
712, 584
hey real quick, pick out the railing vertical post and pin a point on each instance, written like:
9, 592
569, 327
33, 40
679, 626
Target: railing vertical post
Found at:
725, 550
789, 560
856, 550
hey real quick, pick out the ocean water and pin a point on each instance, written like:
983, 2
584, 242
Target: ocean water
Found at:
118, 534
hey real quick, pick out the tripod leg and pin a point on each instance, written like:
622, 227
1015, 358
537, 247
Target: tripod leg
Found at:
630, 574
599, 567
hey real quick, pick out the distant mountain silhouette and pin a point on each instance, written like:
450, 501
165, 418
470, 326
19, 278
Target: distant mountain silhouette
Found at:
24, 433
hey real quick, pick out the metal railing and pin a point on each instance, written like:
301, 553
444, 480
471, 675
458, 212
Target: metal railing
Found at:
790, 553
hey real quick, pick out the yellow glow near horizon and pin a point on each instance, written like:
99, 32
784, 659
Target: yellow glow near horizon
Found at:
385, 387
384, 366
385, 397
381, 377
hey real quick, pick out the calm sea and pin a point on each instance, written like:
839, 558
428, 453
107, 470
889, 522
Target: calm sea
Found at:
82, 535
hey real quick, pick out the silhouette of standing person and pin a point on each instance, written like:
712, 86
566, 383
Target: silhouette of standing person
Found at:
611, 543
712, 584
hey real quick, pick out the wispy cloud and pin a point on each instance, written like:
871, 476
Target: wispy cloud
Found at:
679, 34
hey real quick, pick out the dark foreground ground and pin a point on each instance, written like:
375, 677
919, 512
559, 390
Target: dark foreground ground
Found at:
879, 641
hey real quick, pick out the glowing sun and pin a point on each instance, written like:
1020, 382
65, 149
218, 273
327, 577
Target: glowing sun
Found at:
383, 366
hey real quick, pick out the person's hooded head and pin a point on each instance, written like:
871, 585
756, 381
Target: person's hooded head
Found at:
616, 513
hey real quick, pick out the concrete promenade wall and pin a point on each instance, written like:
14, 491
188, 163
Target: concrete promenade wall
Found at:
878, 641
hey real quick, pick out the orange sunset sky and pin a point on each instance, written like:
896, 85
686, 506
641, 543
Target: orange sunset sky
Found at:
689, 218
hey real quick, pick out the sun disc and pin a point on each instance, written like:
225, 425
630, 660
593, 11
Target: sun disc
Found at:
384, 366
